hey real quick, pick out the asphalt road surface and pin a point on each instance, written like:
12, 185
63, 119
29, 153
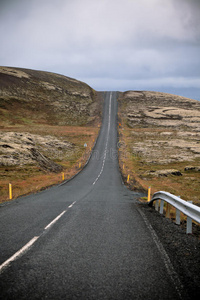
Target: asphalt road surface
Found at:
86, 238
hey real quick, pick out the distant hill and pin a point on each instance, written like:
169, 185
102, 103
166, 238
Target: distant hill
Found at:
29, 97
145, 108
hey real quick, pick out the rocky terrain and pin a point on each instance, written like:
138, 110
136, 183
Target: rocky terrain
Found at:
45, 119
162, 135
18, 149
172, 126
29, 96
154, 108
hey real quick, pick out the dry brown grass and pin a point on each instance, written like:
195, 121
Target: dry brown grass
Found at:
30, 179
45, 104
186, 186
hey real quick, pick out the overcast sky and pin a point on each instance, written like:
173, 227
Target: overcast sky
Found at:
109, 44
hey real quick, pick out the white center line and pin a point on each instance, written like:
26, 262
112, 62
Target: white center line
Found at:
18, 253
56, 219
72, 204
30, 243
106, 148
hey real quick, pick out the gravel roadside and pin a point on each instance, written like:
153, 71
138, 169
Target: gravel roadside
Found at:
182, 249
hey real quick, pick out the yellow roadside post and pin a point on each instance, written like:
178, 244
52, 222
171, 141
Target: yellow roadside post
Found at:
149, 194
63, 176
79, 165
128, 178
123, 166
10, 191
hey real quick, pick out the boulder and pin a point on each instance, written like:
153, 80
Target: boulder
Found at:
165, 173
192, 168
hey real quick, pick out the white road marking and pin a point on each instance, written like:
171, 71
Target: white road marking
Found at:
30, 243
169, 267
72, 204
106, 148
18, 253
55, 220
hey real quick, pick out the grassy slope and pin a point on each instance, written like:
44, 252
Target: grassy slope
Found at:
36, 97
46, 104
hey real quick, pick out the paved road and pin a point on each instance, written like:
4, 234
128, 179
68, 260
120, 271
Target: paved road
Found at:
85, 239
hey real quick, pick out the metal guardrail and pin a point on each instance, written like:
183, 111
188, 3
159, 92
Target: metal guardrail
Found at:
190, 210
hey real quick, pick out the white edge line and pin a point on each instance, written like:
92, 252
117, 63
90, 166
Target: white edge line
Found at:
168, 264
18, 253
56, 219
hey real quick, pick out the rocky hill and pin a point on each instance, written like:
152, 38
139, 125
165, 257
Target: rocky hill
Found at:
37, 109
177, 119
162, 134
160, 109
29, 96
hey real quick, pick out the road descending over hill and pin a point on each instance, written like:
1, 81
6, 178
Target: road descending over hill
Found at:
86, 238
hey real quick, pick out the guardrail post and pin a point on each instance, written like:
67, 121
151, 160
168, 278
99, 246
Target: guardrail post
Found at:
178, 217
189, 225
161, 206
157, 205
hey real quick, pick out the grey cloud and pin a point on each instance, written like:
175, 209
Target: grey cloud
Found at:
125, 44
